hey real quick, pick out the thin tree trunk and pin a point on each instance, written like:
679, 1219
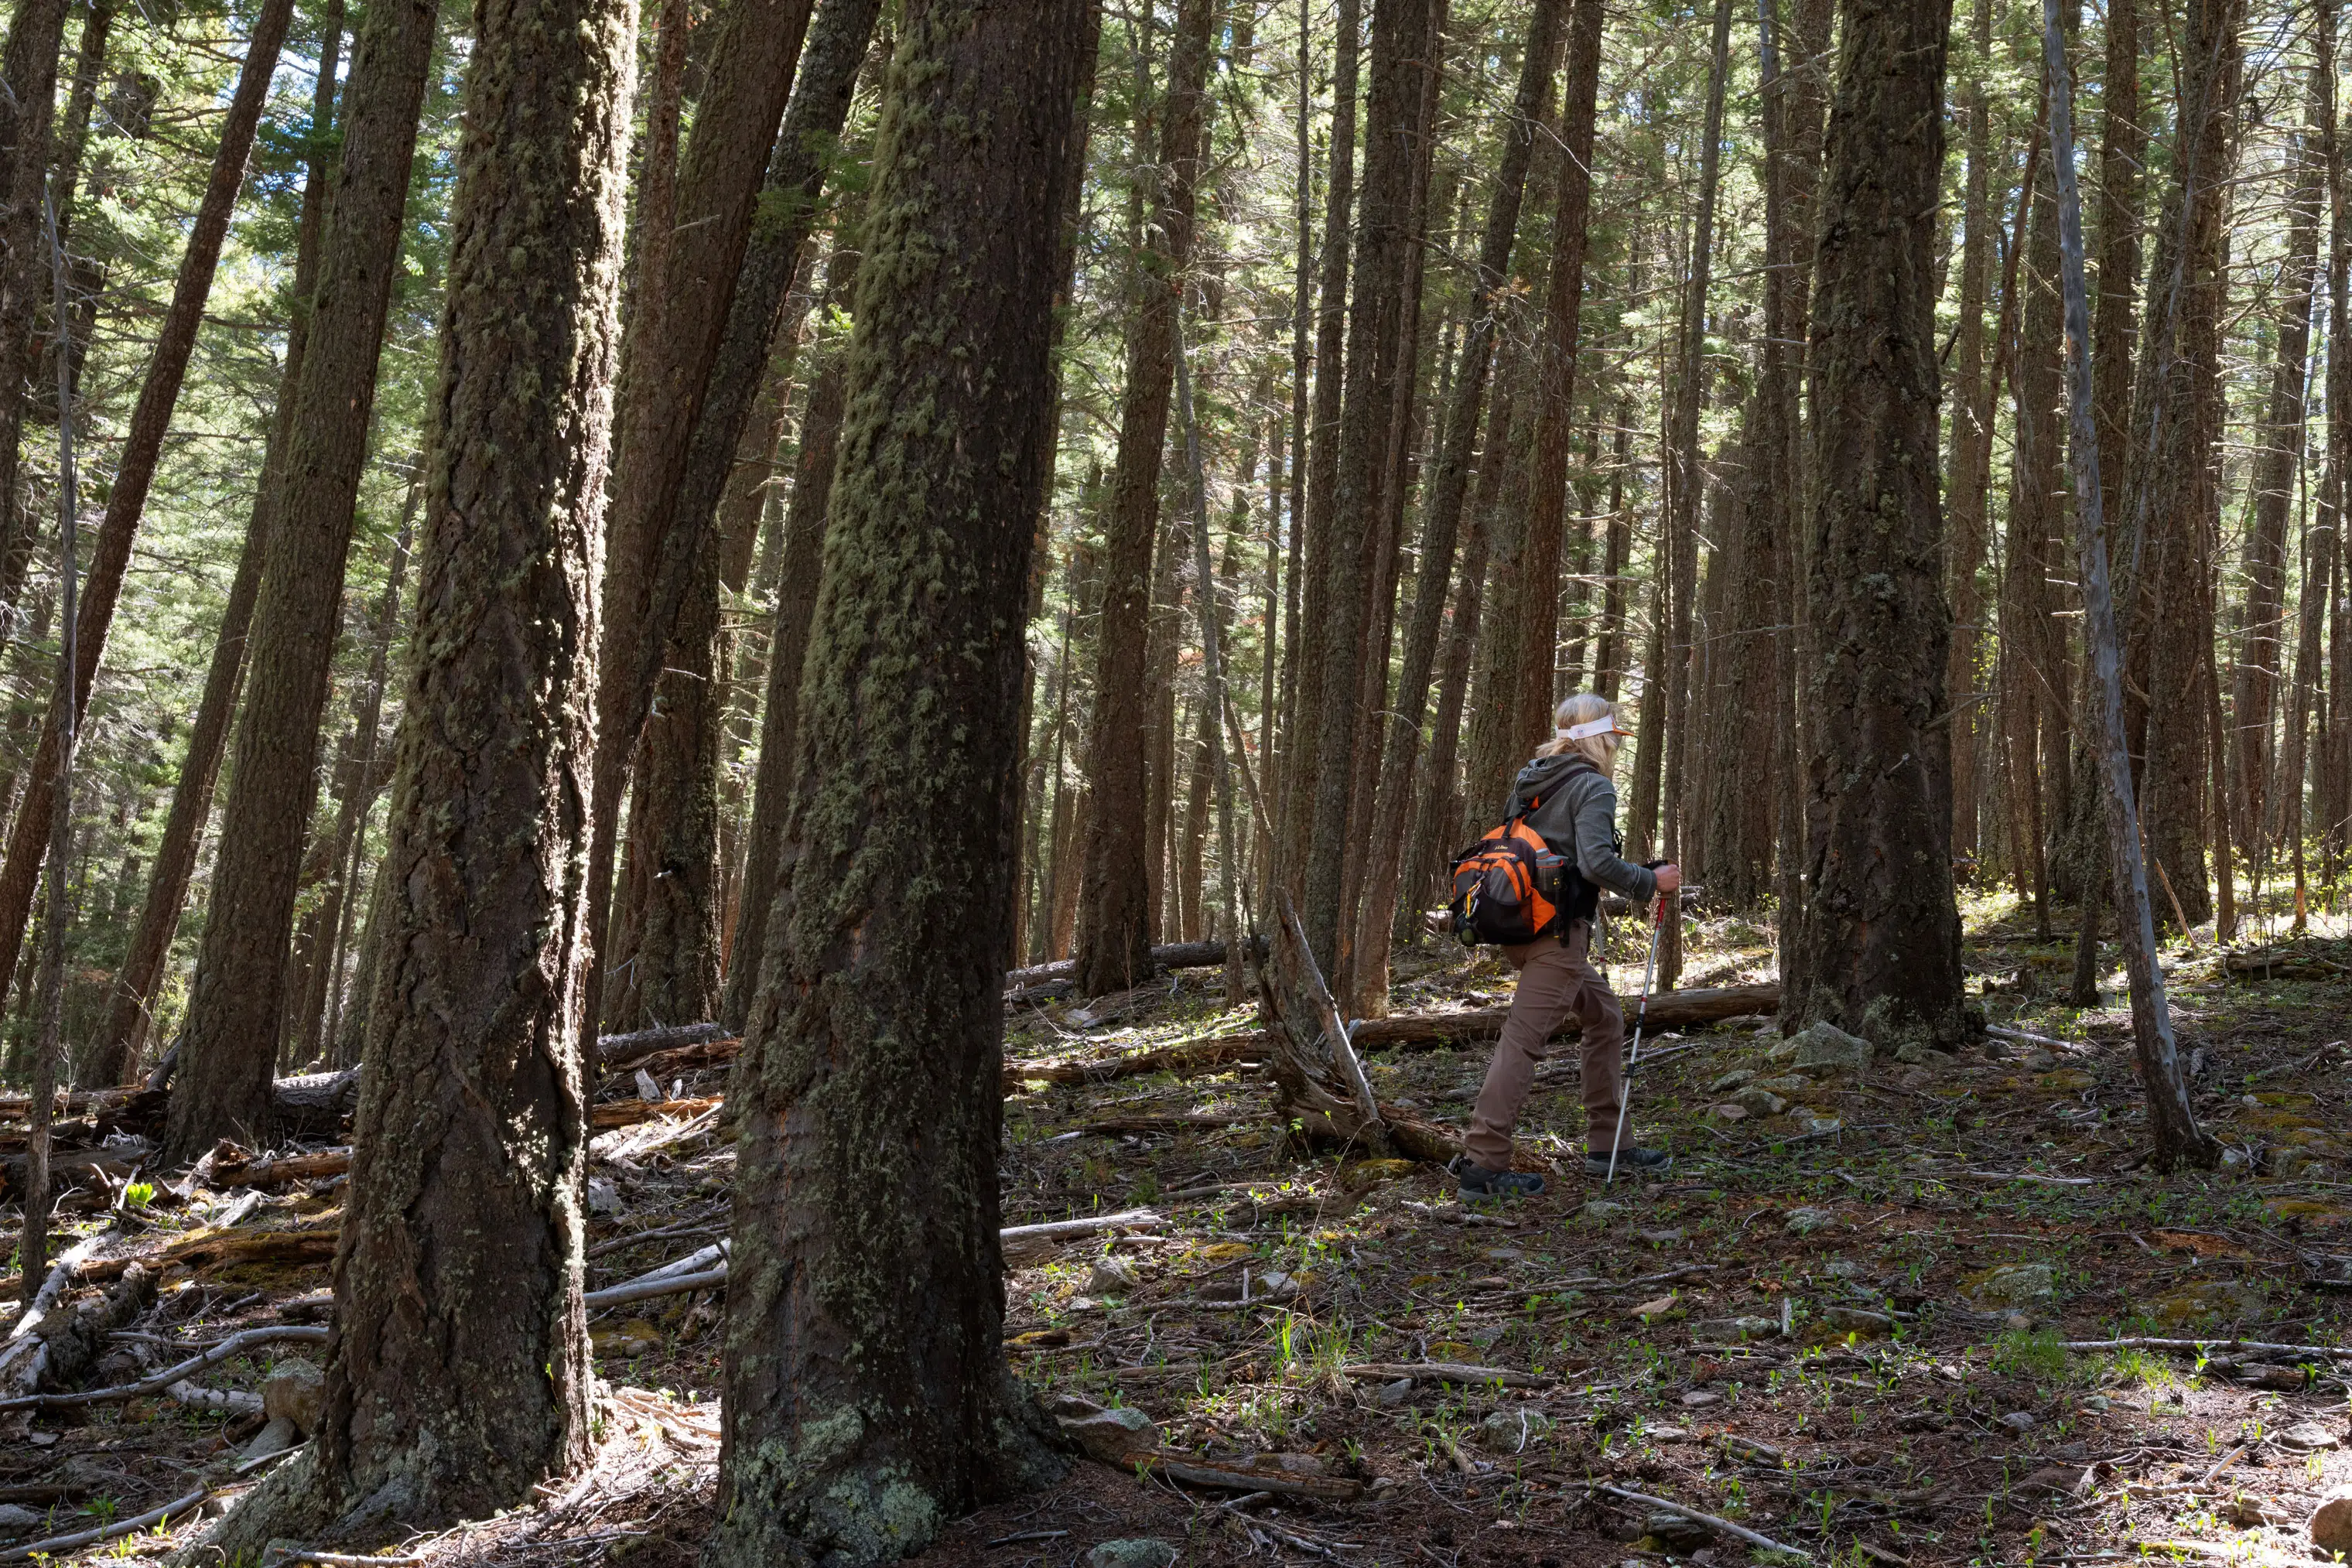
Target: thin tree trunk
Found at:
231, 1041
1971, 446
28, 70
29, 835
465, 1207
2278, 466
1116, 914
1879, 945
872, 1058
797, 595
1685, 479
311, 1037
2172, 1119
1547, 23
1319, 450
666, 378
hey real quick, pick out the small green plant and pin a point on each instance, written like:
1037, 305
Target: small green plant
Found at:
139, 1195
2037, 1354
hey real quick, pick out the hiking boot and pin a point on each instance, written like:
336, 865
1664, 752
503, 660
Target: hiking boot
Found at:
1477, 1182
1631, 1159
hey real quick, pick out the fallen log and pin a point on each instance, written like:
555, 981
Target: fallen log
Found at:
55, 1546
627, 1049
242, 1168
161, 1382
1448, 1371
219, 1248
1168, 956
1327, 1488
630, 1112
1669, 1009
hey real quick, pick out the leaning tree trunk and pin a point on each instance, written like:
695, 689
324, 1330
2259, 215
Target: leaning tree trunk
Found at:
869, 1097
231, 1041
128, 1014
29, 835
2171, 1114
764, 305
458, 1375
1879, 947
669, 368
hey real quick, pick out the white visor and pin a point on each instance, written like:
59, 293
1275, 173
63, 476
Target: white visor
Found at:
1589, 728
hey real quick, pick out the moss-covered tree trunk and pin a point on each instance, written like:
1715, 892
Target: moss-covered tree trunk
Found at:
869, 1091
1879, 947
235, 1005
458, 1373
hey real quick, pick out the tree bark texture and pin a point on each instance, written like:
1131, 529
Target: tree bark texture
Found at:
458, 1374
235, 1005
151, 419
1117, 915
1879, 949
870, 1083
2174, 794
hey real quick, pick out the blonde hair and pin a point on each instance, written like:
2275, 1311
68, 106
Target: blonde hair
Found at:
1601, 750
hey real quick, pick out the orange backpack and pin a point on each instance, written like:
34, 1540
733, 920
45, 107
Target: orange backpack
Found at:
1508, 887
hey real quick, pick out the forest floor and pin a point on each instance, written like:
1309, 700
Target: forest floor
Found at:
1842, 1321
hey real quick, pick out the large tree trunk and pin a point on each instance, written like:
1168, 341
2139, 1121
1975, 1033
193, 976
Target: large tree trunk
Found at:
1319, 451
28, 837
667, 361
2332, 794
235, 1005
458, 1374
872, 1066
1685, 488
2181, 528
1879, 948
1511, 709
128, 1017
1116, 914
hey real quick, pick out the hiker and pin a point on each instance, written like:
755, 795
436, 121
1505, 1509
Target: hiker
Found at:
1565, 795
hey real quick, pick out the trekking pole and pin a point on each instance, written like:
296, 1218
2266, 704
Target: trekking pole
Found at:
1625, 1101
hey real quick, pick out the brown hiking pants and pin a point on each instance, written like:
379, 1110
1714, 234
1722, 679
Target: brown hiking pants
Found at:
1556, 979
